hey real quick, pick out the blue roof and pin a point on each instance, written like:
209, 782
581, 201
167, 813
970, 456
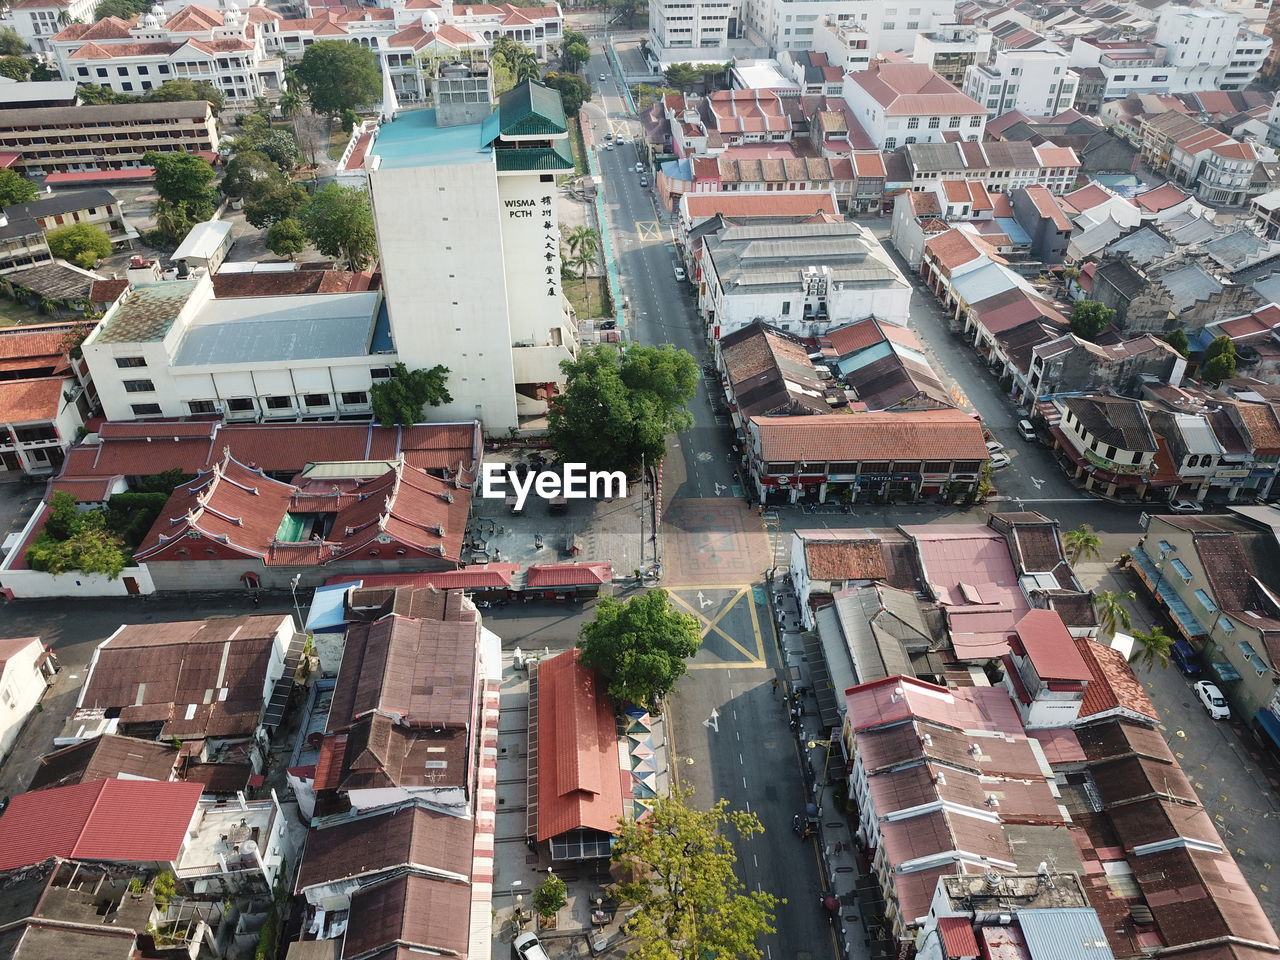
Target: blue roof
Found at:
1064, 933
1013, 230
1178, 608
412, 139
327, 612
678, 169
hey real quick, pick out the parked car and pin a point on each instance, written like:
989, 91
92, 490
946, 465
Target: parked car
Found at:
680, 272
1026, 430
1212, 699
603, 77
1000, 460
1185, 506
644, 181
994, 446
527, 946
608, 145
639, 168
1184, 657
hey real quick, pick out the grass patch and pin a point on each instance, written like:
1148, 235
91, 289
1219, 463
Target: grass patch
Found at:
19, 314
579, 147
338, 140
589, 298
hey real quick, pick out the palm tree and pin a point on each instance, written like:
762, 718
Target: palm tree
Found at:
290, 104
1082, 544
64, 19
1154, 649
1112, 613
525, 66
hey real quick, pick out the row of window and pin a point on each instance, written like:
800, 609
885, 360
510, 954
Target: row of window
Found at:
874, 466
313, 401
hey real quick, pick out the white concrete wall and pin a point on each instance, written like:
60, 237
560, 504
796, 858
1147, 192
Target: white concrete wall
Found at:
33, 583
21, 686
442, 251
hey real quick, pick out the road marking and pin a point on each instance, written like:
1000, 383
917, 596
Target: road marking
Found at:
713, 721
744, 783
649, 230
755, 860
740, 761
704, 602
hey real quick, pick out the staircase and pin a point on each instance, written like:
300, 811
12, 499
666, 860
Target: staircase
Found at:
280, 693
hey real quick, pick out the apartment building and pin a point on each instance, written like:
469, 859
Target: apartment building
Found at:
951, 49
693, 24
225, 48
1218, 168
1210, 47
1000, 166
813, 24
36, 21
901, 103
1038, 83
106, 137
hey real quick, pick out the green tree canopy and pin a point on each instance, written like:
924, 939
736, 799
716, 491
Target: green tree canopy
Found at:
1178, 340
1220, 346
573, 55
573, 88
1081, 544
618, 408
682, 76
640, 646
277, 199
339, 76
80, 243
184, 180
401, 399
183, 90
339, 223
15, 188
1112, 613
689, 901
11, 44
1090, 318
77, 541
92, 95
124, 9
248, 172
1152, 649
16, 68
550, 896
1219, 360
286, 238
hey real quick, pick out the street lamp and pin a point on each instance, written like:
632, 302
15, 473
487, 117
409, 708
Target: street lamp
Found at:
293, 588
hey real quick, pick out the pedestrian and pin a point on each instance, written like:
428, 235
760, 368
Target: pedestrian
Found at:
775, 686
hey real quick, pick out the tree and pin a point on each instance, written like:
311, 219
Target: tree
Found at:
1152, 649
1082, 544
184, 180
171, 219
183, 90
11, 45
339, 76
689, 902
16, 68
574, 55
1219, 360
92, 95
349, 120
290, 104
584, 249
682, 76
80, 243
573, 88
1178, 340
1090, 318
63, 513
77, 542
286, 238
550, 896
339, 223
401, 399
124, 9
275, 200
645, 95
1112, 614
515, 57
623, 10
248, 172
640, 646
617, 408
15, 188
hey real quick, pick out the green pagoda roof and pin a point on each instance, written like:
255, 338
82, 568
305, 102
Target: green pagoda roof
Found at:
555, 157
531, 109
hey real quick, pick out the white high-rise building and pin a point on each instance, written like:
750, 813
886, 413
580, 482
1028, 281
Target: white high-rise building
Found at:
676, 25
465, 204
1040, 83
1210, 48
891, 25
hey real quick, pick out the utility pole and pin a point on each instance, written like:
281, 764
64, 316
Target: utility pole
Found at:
642, 495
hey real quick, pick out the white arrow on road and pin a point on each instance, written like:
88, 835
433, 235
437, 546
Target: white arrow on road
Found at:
713, 721
703, 602
719, 488
1038, 483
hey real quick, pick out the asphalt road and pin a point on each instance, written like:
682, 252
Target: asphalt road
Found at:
746, 753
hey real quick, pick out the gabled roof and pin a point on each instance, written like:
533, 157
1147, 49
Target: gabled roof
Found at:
1161, 198
913, 89
1044, 639
100, 758
1112, 684
409, 915
531, 109
568, 574
125, 821
1116, 421
910, 435
579, 779
31, 401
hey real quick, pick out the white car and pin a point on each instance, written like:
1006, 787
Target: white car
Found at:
603, 77
1211, 697
608, 146
1185, 506
994, 446
527, 946
1000, 460
679, 273
639, 168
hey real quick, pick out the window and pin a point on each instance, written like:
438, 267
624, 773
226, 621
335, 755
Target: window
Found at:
102, 72
1181, 570
1225, 624
126, 86
35, 434
1206, 601
935, 123
355, 397
202, 406
279, 403
953, 123
123, 71
139, 386
124, 362
890, 143
240, 403
937, 466
1111, 453
143, 71
975, 121
889, 26
317, 400
913, 123
786, 307
145, 409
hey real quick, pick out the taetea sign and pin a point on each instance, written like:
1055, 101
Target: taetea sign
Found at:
576, 482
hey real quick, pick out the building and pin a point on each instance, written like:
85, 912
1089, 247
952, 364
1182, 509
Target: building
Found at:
1210, 48
108, 756
37, 424
1069, 363
906, 103
25, 672
850, 32
766, 372
700, 25
490, 176
999, 166
864, 458
1218, 168
827, 562
224, 48
1037, 82
206, 246
196, 680
1044, 672
23, 226
75, 139
171, 348
36, 21
881, 366
1108, 439
951, 49
804, 279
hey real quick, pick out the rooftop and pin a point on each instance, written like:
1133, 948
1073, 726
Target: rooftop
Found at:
413, 139
146, 314
1047, 643
908, 436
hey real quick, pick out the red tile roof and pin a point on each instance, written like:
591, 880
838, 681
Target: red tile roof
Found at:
913, 89
1161, 198
747, 111
1048, 645
31, 401
909, 435
91, 490
127, 821
1112, 683
957, 247
579, 780
958, 940
477, 577
568, 574
855, 336
746, 205
895, 699
1047, 206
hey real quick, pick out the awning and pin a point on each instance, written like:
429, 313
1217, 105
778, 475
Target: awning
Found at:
1270, 723
1186, 622
1224, 671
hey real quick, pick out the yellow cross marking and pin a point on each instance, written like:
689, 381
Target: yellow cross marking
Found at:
756, 657
649, 229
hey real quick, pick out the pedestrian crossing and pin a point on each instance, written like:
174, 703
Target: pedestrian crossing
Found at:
779, 539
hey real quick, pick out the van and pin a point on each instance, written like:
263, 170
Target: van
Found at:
1184, 656
1026, 430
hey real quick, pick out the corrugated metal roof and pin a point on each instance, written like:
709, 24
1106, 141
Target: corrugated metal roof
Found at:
1064, 933
958, 940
